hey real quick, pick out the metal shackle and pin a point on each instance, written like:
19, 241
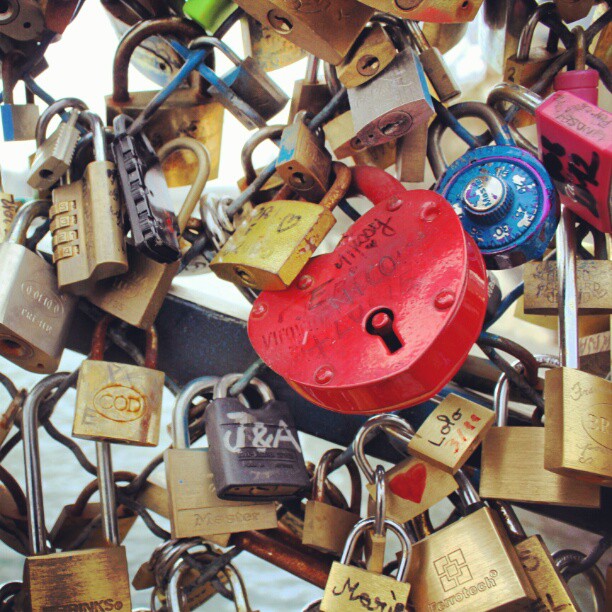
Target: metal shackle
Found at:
515, 94
544, 13
96, 125
384, 422
136, 35
322, 471
24, 216
368, 523
225, 382
31, 453
269, 132
180, 412
565, 558
53, 109
380, 508
461, 110
201, 42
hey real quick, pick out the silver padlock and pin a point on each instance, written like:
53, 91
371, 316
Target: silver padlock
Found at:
34, 316
18, 120
392, 103
54, 154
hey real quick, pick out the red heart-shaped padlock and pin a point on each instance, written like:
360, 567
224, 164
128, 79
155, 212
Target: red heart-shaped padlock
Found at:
387, 319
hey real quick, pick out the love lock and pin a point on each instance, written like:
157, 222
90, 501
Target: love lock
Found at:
385, 320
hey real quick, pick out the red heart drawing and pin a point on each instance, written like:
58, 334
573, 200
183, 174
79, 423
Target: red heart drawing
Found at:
410, 484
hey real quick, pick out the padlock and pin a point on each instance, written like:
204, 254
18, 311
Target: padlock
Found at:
117, 402
595, 354
372, 326
36, 317
503, 195
508, 451
137, 296
469, 565
254, 453
77, 517
254, 257
392, 103
573, 143
54, 154
411, 155
269, 49
187, 113
348, 587
246, 90
548, 585
195, 509
308, 93
451, 433
434, 65
271, 186
87, 222
326, 527
339, 133
8, 209
437, 11
414, 485
327, 32
594, 278
18, 120
527, 64
75, 578
371, 53
22, 20
210, 14
573, 10
303, 162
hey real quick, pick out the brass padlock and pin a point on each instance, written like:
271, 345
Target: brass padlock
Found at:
326, 527
508, 451
595, 353
77, 517
269, 49
188, 112
308, 93
451, 433
411, 155
303, 162
87, 222
414, 485
137, 296
339, 133
548, 585
327, 32
31, 296
195, 509
76, 578
438, 11
348, 586
255, 257
372, 52
469, 565
117, 402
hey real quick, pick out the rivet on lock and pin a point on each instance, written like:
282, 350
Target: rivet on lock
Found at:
373, 326
255, 453
503, 195
31, 294
117, 402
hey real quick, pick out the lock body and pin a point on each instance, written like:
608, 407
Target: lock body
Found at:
506, 201
391, 104
369, 327
576, 149
437, 11
254, 453
469, 565
578, 418
87, 229
34, 316
118, 402
326, 527
19, 121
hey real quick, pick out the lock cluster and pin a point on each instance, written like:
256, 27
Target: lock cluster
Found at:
424, 283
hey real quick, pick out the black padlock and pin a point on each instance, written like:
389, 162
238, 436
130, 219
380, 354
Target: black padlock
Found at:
253, 452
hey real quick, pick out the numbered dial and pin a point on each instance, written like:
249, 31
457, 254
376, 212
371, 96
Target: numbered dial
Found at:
505, 200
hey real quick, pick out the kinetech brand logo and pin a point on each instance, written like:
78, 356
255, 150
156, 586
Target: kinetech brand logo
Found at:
97, 605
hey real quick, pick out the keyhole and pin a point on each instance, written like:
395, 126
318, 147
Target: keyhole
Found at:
368, 65
245, 276
391, 127
279, 22
380, 323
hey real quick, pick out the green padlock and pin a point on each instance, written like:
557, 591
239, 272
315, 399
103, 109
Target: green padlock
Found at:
210, 14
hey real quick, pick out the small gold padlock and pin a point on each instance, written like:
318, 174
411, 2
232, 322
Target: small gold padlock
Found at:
596, 353
270, 248
117, 402
348, 587
309, 94
451, 433
326, 527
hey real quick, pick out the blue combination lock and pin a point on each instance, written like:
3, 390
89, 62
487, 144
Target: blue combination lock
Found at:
503, 195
